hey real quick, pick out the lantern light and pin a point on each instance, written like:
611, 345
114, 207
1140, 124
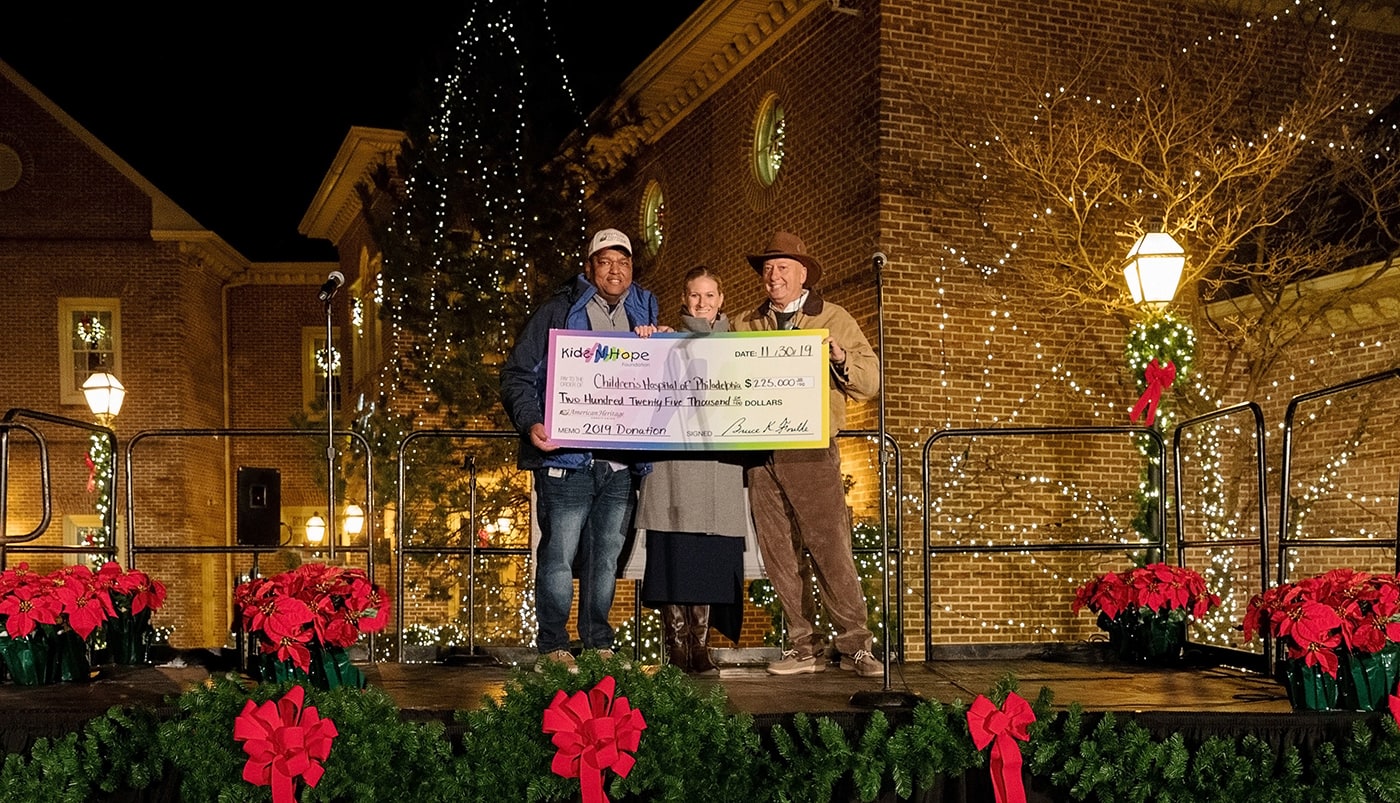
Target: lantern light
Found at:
105, 394
315, 529
1153, 269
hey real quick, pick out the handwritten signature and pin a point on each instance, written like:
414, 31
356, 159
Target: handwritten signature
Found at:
786, 426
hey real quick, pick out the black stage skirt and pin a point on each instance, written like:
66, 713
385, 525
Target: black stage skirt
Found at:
697, 569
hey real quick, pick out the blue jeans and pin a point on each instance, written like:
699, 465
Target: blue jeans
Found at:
582, 514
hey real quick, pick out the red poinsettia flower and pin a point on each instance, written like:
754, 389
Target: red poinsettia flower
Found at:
328, 605
1338, 610
28, 605
1157, 588
86, 610
334, 625
284, 742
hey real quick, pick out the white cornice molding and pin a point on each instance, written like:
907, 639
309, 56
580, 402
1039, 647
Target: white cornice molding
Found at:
709, 48
207, 249
337, 203
298, 274
1379, 304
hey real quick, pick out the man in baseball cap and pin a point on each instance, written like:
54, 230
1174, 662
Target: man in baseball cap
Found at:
585, 497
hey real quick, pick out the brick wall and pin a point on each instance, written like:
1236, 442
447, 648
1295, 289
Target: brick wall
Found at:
877, 107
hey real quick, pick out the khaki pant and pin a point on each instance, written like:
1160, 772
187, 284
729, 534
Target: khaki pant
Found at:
798, 504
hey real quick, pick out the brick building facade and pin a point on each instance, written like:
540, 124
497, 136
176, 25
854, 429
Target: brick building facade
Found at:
871, 160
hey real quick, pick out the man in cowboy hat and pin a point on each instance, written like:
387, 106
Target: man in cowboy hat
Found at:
797, 495
585, 497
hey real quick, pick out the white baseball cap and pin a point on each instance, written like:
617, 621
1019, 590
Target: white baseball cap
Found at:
609, 238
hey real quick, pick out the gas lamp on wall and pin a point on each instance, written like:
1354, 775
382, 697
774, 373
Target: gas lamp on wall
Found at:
104, 394
1153, 269
354, 520
315, 530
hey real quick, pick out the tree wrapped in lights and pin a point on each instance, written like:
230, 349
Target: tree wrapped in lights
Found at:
1249, 142
471, 221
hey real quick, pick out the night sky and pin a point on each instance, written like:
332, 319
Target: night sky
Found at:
237, 114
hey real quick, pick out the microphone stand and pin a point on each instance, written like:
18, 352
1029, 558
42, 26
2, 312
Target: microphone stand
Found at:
886, 697
330, 426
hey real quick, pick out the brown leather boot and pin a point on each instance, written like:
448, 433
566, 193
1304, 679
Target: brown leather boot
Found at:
698, 617
677, 636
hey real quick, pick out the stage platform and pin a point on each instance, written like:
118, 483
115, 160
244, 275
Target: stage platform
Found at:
1208, 698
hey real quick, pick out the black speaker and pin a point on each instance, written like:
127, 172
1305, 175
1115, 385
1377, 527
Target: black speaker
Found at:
259, 506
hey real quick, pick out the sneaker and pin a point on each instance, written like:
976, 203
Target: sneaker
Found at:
795, 663
558, 657
863, 664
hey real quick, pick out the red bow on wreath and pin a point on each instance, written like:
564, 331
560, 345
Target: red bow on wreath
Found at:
1001, 729
591, 731
1158, 379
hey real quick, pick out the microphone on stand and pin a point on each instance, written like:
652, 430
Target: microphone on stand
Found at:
879, 262
333, 283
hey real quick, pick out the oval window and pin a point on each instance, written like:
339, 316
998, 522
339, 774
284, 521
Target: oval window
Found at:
653, 218
768, 140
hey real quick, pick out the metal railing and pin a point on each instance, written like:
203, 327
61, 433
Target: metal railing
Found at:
134, 548
403, 548
1285, 541
21, 543
930, 549
1260, 542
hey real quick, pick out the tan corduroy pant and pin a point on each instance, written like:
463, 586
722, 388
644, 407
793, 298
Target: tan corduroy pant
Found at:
798, 504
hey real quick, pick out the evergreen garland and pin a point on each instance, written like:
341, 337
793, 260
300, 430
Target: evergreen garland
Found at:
693, 750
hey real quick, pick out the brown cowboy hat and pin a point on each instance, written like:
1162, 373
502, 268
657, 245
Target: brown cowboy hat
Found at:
788, 245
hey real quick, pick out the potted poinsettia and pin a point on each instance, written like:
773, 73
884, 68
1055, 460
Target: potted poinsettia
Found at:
46, 621
135, 596
1145, 609
1341, 634
304, 621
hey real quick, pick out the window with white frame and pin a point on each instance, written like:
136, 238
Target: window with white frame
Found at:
89, 340
316, 364
84, 530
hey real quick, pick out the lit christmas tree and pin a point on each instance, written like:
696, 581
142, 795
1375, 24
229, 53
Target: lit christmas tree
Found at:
479, 222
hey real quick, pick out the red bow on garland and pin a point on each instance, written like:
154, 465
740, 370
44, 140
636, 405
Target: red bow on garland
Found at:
1158, 379
283, 741
591, 731
1001, 729
92, 472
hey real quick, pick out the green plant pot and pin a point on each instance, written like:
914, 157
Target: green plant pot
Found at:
1365, 680
1309, 688
45, 657
129, 638
1154, 638
330, 668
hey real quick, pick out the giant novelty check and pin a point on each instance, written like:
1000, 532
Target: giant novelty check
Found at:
736, 390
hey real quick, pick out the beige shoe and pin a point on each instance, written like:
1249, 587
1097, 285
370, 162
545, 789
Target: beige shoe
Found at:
795, 663
864, 664
558, 657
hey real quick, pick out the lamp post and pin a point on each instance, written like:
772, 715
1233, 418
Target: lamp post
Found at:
104, 394
1153, 269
